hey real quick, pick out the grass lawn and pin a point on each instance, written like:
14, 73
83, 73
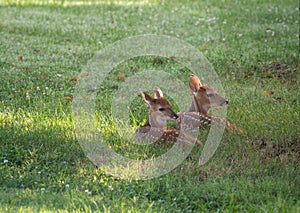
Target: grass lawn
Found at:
252, 45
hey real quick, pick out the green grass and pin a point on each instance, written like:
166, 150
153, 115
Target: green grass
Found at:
253, 46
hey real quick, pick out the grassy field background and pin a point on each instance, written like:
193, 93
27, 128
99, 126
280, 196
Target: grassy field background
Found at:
254, 48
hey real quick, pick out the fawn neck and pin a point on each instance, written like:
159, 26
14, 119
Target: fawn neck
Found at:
198, 106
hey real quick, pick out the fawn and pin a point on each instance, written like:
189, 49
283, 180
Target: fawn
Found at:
204, 98
155, 127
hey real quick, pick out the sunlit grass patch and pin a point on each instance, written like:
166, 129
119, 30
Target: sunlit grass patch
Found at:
80, 3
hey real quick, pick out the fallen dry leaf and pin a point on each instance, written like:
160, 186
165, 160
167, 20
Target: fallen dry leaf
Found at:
68, 98
134, 68
268, 92
74, 78
272, 62
121, 76
175, 58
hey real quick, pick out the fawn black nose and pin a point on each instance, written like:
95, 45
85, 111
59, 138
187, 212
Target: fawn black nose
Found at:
175, 116
226, 101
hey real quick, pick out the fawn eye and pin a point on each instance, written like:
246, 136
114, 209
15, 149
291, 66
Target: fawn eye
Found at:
161, 109
210, 95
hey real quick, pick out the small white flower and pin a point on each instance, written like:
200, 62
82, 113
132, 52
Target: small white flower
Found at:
27, 94
110, 188
240, 35
88, 192
67, 185
42, 189
5, 161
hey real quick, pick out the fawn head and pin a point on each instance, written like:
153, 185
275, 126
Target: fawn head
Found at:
160, 109
204, 97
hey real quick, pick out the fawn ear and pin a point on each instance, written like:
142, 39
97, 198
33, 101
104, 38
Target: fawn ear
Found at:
147, 98
157, 93
194, 83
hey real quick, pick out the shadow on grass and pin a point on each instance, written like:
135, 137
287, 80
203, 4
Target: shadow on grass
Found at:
32, 153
